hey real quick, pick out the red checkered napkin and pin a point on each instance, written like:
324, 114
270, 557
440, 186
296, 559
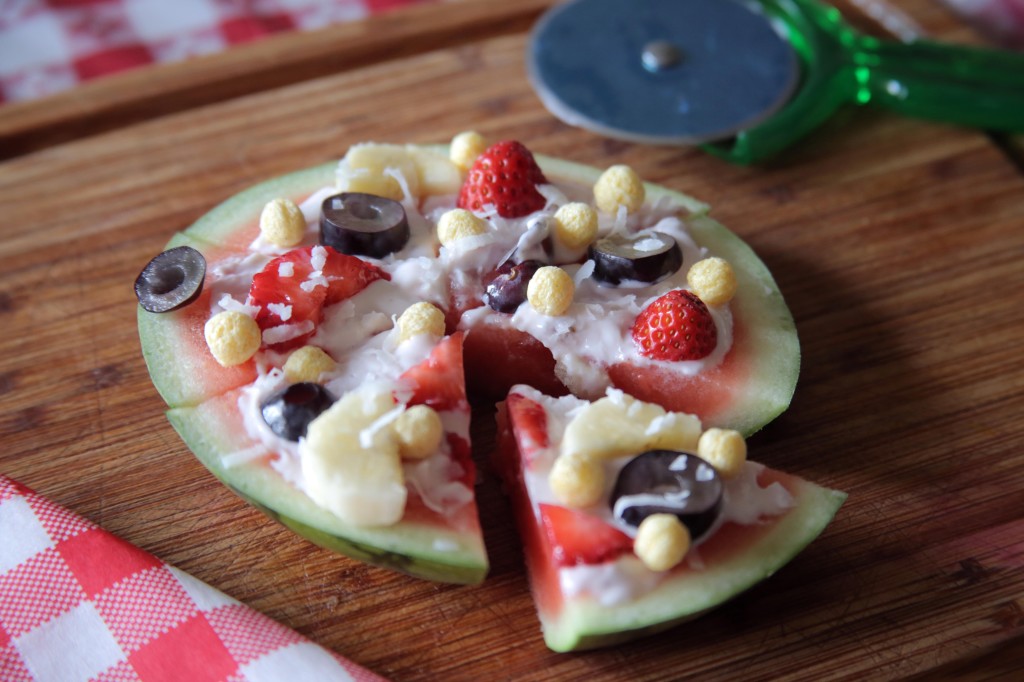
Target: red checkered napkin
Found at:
77, 603
51, 45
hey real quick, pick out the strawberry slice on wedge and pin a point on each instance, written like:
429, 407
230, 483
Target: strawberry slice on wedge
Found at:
530, 421
438, 381
292, 290
577, 538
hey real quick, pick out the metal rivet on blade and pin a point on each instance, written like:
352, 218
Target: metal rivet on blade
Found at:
659, 55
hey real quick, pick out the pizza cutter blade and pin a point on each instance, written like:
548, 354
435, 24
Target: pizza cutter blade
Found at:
747, 78
661, 71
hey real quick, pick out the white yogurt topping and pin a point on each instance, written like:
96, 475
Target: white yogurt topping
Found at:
595, 332
743, 502
611, 583
359, 332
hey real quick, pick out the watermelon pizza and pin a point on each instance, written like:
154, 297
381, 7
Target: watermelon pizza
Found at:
317, 339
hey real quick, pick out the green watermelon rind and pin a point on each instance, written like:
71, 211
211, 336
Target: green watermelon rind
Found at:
427, 552
583, 623
244, 208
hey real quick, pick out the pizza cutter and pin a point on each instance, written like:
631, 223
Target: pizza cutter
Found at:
747, 78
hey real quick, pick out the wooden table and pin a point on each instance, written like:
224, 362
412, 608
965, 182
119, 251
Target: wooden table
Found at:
898, 245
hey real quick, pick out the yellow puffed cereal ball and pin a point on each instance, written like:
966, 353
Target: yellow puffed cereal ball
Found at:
465, 148
550, 291
723, 449
233, 337
577, 481
307, 364
661, 542
575, 225
619, 186
419, 431
282, 223
459, 223
713, 280
420, 318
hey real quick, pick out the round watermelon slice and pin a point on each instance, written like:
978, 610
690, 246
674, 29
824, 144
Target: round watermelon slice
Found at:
750, 387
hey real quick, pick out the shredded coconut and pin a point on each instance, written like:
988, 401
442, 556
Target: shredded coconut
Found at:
585, 271
366, 435
286, 332
395, 173
233, 459
228, 302
282, 310
620, 219
318, 259
313, 281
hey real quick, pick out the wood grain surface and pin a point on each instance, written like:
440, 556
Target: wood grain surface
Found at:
897, 244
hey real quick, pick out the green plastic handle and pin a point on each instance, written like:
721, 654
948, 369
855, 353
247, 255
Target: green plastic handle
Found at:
961, 85
953, 84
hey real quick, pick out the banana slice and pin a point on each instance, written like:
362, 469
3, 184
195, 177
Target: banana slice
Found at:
365, 168
619, 425
351, 462
437, 173
371, 168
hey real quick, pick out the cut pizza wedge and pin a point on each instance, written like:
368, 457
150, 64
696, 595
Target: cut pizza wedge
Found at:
599, 573
437, 536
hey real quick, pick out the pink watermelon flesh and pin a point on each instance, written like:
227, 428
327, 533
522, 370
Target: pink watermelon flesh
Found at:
524, 361
174, 345
735, 558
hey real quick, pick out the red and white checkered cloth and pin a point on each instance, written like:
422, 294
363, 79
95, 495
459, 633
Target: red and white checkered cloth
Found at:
51, 45
77, 603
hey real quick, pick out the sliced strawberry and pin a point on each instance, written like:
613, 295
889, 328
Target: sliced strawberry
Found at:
529, 422
271, 288
676, 326
348, 275
580, 538
290, 291
505, 175
438, 381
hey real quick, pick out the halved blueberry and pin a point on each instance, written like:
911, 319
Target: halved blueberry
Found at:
505, 287
668, 482
363, 224
645, 257
171, 280
289, 412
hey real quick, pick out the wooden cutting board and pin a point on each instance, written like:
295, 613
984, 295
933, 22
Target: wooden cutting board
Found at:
898, 246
